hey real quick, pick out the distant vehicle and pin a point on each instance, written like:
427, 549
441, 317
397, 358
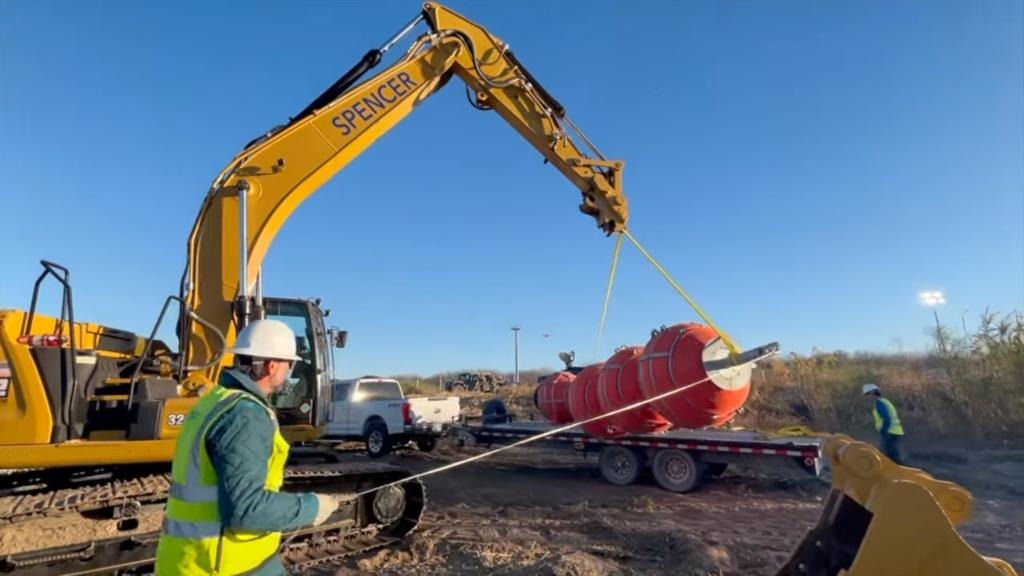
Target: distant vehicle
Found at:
475, 381
376, 411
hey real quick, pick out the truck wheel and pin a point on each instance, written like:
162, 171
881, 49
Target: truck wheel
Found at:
676, 470
426, 444
620, 465
458, 387
378, 442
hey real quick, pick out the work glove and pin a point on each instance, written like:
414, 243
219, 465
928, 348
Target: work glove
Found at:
326, 505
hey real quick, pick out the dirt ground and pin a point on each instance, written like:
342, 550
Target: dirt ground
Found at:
542, 511
545, 511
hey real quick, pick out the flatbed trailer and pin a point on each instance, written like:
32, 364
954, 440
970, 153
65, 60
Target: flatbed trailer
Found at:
679, 460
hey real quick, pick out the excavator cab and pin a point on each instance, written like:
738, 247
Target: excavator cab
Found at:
303, 405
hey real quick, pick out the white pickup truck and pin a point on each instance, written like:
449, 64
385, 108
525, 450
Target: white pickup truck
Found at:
376, 411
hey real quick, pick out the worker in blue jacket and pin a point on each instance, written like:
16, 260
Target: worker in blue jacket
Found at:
225, 513
887, 423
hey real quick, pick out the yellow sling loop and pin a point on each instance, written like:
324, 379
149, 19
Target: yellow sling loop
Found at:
726, 339
608, 293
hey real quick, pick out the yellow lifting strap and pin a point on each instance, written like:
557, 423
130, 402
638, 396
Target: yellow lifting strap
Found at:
733, 348
608, 293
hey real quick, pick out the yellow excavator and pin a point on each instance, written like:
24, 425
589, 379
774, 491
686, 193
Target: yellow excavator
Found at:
83, 394
90, 413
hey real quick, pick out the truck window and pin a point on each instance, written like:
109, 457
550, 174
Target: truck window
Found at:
341, 391
383, 390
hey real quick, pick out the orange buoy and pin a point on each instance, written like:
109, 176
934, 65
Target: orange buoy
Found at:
618, 385
677, 356
552, 397
583, 400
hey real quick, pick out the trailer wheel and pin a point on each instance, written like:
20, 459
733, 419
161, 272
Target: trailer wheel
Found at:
426, 444
620, 465
676, 470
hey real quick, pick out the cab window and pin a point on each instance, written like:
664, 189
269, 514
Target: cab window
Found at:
341, 390
383, 390
302, 381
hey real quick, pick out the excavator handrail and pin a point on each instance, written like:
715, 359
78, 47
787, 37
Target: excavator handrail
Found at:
67, 309
180, 363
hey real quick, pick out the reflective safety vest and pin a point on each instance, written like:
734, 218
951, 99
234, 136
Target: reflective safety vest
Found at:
194, 541
895, 427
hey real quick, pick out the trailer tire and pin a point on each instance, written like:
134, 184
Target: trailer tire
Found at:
620, 465
426, 444
378, 441
677, 470
495, 411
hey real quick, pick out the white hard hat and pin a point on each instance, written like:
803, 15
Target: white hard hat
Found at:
270, 339
870, 388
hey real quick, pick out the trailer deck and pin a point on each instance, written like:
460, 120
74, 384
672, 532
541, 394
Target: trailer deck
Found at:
679, 459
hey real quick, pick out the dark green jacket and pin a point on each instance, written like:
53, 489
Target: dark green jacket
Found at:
240, 444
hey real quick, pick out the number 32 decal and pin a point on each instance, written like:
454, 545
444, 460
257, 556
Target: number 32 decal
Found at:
175, 419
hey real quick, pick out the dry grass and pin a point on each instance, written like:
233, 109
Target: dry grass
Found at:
969, 388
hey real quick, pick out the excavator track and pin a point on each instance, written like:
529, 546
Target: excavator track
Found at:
369, 522
26, 495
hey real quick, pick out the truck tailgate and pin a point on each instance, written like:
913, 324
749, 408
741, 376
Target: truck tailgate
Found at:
434, 410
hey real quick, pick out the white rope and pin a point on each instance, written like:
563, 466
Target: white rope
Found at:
544, 434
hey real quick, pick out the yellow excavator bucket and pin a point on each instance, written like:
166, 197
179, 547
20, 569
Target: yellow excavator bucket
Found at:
883, 519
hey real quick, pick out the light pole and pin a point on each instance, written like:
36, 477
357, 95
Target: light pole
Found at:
515, 329
933, 299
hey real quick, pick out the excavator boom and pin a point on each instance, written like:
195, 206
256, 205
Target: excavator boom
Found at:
261, 187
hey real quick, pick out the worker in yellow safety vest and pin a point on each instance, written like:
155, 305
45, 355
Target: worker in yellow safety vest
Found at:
887, 423
225, 513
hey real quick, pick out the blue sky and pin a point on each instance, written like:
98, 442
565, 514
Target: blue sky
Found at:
803, 168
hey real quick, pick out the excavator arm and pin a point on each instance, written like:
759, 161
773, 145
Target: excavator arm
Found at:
261, 187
